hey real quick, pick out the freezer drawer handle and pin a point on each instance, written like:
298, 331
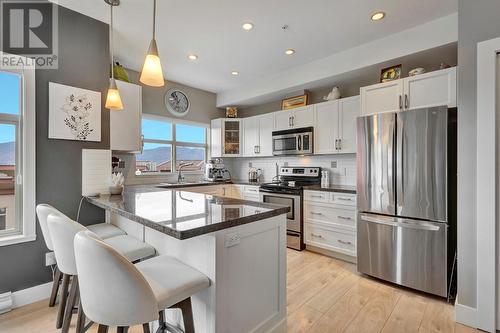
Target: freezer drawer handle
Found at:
418, 225
344, 242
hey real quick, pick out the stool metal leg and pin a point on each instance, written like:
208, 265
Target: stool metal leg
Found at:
62, 302
122, 329
55, 287
187, 315
145, 328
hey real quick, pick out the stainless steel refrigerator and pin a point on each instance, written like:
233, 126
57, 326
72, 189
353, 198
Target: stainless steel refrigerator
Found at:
406, 197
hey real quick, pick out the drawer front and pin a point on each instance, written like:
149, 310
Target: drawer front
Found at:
335, 216
331, 239
343, 199
316, 196
251, 189
251, 197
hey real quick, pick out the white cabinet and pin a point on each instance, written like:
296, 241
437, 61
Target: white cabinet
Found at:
382, 97
330, 221
216, 138
125, 125
257, 135
295, 118
431, 89
335, 126
226, 136
420, 91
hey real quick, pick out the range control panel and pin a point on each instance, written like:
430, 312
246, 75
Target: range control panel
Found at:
300, 171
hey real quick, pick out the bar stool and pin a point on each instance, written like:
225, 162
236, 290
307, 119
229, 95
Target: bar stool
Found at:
103, 230
63, 231
130, 294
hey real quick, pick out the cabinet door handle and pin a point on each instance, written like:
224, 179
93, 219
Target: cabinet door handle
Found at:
344, 199
344, 242
317, 196
336, 146
317, 236
407, 102
344, 217
340, 144
314, 213
255, 150
400, 102
293, 120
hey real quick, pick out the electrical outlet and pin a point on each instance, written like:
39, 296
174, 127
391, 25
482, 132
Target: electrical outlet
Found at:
249, 164
334, 165
285, 164
231, 240
50, 259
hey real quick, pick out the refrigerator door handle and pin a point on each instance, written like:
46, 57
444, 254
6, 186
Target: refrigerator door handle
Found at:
419, 225
400, 185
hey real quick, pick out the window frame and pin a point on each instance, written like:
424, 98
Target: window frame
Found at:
25, 152
174, 143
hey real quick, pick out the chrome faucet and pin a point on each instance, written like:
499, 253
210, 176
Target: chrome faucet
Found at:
180, 177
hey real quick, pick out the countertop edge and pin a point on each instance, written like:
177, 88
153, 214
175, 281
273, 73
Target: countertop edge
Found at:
181, 235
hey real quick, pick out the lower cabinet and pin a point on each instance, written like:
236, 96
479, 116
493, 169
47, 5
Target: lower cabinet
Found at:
330, 221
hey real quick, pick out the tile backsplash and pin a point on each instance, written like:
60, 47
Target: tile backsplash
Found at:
342, 167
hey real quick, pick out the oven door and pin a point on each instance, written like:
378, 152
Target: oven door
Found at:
292, 201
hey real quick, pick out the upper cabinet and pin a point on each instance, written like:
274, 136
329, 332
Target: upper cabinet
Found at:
335, 126
125, 125
420, 91
295, 118
226, 137
257, 135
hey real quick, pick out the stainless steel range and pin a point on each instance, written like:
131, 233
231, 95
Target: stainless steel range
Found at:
288, 191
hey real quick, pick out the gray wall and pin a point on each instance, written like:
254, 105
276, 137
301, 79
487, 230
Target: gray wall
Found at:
202, 108
83, 62
477, 21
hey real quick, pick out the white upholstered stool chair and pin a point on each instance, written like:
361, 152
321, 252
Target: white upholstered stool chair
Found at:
128, 294
63, 231
103, 230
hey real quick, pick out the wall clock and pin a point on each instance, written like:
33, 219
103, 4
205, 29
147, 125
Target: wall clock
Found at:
176, 102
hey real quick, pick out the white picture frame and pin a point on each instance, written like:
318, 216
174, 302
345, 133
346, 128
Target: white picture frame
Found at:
74, 113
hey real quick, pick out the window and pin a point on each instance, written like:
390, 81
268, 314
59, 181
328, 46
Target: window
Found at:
169, 145
17, 155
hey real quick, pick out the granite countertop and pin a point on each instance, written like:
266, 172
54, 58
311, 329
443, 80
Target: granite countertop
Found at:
206, 183
182, 214
332, 188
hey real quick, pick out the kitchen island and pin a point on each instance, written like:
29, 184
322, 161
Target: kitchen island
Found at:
240, 245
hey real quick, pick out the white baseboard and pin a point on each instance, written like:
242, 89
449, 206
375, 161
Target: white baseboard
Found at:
31, 295
466, 315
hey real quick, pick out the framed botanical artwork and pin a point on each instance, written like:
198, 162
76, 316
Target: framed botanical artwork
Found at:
294, 102
74, 113
391, 73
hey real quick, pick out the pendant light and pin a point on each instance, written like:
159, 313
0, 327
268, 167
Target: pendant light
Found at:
152, 73
113, 99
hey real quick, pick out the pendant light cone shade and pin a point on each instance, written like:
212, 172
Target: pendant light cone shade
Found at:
113, 99
152, 73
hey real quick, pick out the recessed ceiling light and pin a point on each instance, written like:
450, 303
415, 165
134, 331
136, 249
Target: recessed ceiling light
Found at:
192, 57
289, 51
247, 26
235, 73
378, 16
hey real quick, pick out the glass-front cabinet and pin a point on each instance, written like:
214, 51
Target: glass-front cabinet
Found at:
232, 137
226, 137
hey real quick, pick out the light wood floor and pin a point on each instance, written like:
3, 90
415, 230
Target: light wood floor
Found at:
324, 296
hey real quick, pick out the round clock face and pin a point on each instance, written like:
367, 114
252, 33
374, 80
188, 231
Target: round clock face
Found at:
177, 102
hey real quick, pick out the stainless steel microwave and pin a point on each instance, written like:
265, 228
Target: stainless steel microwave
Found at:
297, 141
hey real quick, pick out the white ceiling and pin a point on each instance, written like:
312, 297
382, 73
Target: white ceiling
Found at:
212, 30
